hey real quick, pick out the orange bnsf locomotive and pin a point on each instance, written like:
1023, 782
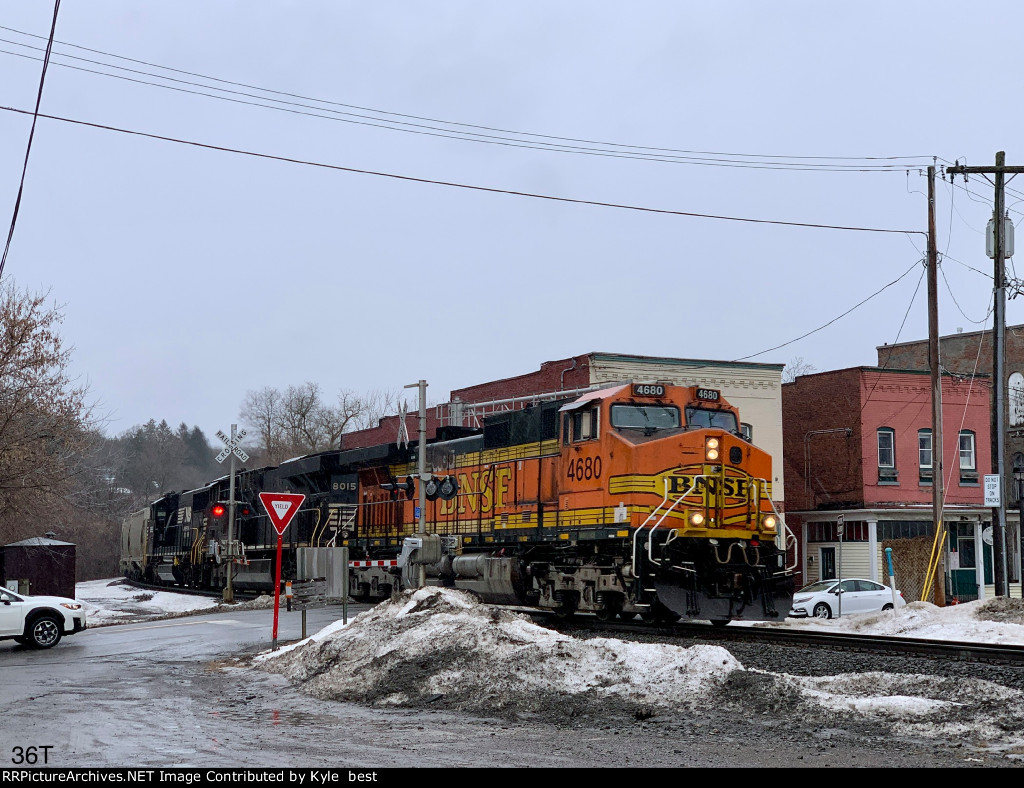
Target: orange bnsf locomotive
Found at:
632, 499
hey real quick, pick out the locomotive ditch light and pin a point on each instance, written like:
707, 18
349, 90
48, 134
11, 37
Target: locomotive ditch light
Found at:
711, 449
770, 522
696, 519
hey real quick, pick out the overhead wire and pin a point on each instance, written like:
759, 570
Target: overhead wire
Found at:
31, 136
473, 187
474, 132
838, 317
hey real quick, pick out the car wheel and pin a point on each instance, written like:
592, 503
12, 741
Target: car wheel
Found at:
44, 632
821, 610
887, 606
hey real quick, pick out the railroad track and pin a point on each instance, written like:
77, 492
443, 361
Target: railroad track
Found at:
190, 591
960, 651
680, 632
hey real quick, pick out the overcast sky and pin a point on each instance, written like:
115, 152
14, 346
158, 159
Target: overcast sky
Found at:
190, 275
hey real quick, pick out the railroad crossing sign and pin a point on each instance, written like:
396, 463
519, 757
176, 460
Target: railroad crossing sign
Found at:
281, 507
232, 447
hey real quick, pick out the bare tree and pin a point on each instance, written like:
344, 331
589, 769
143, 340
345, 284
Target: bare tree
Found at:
795, 368
376, 404
261, 411
302, 417
300, 422
44, 418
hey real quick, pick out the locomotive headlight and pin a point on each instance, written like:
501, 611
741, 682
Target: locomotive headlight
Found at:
770, 522
696, 519
711, 449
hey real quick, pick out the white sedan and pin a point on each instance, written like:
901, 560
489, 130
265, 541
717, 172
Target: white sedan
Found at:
825, 599
39, 621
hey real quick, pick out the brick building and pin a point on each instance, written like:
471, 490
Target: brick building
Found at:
858, 442
966, 354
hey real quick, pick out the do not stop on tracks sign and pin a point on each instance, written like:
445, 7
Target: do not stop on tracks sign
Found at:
281, 508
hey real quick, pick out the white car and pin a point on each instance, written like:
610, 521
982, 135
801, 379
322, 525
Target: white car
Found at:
858, 595
39, 621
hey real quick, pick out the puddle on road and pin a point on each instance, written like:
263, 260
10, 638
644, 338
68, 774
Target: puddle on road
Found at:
286, 717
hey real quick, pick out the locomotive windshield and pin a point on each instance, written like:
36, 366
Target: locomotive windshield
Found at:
644, 417
701, 417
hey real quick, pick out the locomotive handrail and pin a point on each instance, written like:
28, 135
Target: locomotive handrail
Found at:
344, 526
654, 511
788, 537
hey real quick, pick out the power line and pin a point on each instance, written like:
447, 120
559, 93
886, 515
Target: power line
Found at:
473, 132
838, 317
453, 184
31, 134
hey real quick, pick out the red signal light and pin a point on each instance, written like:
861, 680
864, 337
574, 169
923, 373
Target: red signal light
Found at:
217, 510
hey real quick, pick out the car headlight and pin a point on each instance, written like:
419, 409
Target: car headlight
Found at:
71, 605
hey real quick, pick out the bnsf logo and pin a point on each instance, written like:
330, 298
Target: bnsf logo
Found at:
730, 487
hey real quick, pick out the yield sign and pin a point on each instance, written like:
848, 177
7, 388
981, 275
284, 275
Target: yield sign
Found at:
281, 507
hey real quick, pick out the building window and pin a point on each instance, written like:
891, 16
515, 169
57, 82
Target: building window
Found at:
887, 456
963, 543
924, 456
968, 463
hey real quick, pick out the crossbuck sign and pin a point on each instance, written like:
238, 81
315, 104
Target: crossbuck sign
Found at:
232, 447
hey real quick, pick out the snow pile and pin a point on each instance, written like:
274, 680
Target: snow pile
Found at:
441, 647
999, 620
117, 602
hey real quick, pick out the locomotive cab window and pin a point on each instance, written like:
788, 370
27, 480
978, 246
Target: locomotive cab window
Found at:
704, 417
645, 417
580, 425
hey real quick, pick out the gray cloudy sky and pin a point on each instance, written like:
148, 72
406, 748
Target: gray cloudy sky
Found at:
190, 275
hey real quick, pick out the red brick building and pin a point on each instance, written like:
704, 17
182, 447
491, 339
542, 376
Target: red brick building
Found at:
858, 443
966, 354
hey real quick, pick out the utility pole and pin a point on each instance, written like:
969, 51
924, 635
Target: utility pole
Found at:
998, 361
936, 373
421, 472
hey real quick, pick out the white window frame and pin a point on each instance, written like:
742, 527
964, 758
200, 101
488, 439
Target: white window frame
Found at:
921, 450
891, 449
971, 463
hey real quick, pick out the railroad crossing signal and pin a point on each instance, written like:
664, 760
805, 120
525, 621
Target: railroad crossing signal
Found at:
232, 447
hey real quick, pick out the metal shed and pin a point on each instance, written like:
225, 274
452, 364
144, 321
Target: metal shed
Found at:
40, 566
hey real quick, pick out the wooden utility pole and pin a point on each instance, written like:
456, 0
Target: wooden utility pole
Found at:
938, 479
998, 362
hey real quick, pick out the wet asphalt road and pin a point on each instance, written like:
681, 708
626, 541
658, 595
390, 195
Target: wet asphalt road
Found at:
174, 693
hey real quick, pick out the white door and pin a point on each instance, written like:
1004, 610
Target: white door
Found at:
12, 614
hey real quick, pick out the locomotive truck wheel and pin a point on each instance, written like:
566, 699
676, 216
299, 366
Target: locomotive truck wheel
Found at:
625, 616
567, 609
821, 610
719, 622
44, 632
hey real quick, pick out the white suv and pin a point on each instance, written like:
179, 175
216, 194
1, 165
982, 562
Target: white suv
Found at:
39, 621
